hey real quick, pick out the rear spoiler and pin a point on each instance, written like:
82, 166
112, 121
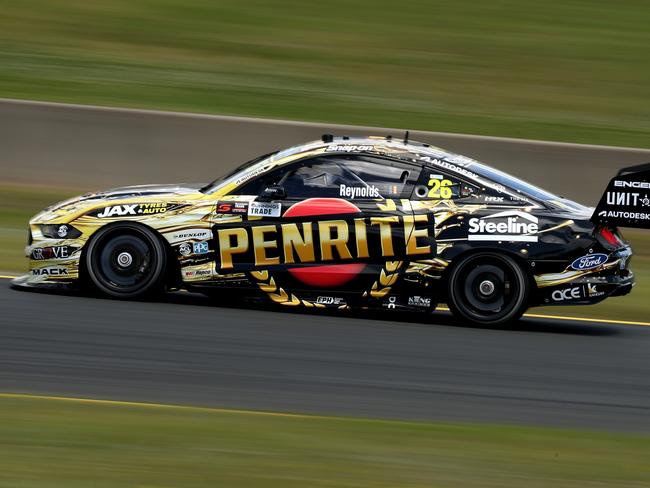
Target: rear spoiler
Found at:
626, 201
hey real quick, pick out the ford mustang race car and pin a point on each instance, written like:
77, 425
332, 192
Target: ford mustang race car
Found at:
375, 223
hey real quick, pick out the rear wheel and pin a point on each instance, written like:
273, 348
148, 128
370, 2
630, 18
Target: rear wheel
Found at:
126, 261
488, 289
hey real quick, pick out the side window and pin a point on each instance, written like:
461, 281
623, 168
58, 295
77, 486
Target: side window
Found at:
437, 185
351, 177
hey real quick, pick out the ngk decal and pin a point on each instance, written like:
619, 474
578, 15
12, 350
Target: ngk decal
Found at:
511, 225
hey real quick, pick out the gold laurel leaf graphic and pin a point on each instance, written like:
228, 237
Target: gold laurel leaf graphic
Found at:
261, 275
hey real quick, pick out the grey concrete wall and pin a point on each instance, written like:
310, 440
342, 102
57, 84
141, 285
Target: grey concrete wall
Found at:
92, 148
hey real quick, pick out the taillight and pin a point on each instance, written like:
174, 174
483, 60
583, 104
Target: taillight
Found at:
609, 238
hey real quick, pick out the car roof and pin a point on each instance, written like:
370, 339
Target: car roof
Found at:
406, 150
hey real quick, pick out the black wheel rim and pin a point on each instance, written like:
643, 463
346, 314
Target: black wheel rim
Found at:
487, 288
124, 262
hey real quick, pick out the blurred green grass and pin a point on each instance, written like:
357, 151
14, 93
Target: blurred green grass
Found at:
566, 70
55, 443
18, 204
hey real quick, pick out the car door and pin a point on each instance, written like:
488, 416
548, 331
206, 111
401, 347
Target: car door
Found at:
329, 227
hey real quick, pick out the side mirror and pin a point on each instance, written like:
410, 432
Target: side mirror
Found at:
273, 192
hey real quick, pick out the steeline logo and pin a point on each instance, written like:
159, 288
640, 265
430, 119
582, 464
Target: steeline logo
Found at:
511, 225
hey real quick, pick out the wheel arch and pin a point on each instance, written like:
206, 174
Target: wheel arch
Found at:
173, 273
523, 262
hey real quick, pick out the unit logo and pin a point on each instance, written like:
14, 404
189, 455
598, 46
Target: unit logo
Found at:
623, 199
589, 261
511, 225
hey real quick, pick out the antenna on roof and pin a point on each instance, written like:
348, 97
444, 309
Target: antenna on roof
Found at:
406, 137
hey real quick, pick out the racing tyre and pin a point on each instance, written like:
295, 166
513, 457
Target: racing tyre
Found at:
126, 261
488, 289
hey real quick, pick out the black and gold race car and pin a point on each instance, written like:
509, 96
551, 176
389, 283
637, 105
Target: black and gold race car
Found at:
348, 222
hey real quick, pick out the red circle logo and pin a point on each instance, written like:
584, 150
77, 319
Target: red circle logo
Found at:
330, 275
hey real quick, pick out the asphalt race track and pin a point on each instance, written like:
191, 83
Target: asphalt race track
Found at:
187, 350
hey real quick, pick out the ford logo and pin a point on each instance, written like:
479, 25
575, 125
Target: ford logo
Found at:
589, 261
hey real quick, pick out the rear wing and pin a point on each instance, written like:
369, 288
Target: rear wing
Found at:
626, 201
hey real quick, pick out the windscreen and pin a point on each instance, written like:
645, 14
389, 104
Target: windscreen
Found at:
510, 181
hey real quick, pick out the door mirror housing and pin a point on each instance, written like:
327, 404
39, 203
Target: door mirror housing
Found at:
273, 192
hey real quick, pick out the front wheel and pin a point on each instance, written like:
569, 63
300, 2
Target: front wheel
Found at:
488, 289
126, 261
